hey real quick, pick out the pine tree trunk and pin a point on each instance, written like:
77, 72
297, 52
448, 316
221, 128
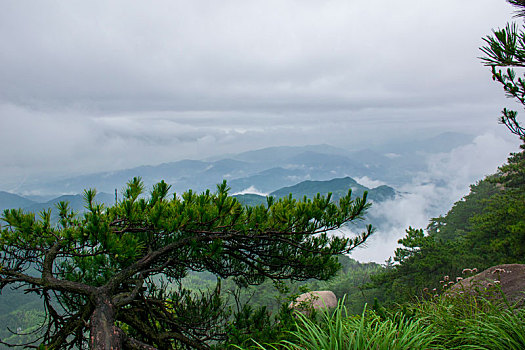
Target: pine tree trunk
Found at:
104, 334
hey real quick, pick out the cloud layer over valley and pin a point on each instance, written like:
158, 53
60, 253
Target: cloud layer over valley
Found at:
95, 86
432, 193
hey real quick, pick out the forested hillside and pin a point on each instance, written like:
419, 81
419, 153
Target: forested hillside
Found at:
483, 229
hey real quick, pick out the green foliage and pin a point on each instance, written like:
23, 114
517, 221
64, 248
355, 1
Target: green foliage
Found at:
276, 321
422, 262
21, 315
255, 325
339, 330
485, 228
503, 330
512, 174
350, 283
464, 321
506, 48
449, 321
110, 260
250, 199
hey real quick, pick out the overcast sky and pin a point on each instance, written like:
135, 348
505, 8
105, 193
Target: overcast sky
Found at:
100, 85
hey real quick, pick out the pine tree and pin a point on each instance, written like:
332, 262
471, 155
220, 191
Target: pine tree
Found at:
506, 49
107, 279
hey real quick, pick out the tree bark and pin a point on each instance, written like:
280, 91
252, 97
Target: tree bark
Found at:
104, 334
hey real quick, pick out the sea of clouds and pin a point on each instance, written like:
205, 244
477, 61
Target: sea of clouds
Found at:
433, 192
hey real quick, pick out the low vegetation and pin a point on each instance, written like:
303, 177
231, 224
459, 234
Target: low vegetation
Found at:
443, 322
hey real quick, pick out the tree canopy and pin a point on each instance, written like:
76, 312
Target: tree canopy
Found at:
108, 278
505, 48
520, 4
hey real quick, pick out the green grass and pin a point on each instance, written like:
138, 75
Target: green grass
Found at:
336, 330
445, 322
500, 330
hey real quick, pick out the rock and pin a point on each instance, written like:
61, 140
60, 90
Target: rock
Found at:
508, 279
314, 300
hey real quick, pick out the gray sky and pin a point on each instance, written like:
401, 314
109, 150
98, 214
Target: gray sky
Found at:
100, 85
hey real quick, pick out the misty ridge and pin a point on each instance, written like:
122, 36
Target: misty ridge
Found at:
407, 182
265, 170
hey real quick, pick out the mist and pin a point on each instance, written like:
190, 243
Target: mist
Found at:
433, 192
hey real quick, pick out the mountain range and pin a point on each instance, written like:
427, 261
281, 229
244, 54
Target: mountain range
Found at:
267, 170
76, 202
337, 187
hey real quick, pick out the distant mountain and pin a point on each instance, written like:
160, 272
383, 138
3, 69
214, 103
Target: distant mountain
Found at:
109, 181
182, 175
329, 164
381, 193
280, 154
269, 180
10, 200
267, 170
250, 199
272, 168
76, 202
338, 187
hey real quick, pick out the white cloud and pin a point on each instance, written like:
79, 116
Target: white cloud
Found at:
239, 55
252, 190
368, 182
432, 193
392, 155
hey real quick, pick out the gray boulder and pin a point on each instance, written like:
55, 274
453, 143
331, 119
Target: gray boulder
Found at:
508, 279
314, 300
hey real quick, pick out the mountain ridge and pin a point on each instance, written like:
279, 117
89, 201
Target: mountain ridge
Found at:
267, 169
338, 187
